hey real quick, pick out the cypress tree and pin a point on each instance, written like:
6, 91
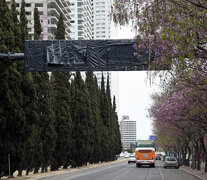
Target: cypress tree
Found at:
81, 116
32, 141
110, 121
12, 121
17, 32
7, 40
63, 122
105, 149
61, 108
23, 24
60, 33
118, 145
37, 25
46, 119
95, 123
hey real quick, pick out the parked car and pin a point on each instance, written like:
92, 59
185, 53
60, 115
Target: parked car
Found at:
132, 158
171, 162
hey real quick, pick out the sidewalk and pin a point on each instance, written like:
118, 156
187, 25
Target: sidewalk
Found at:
199, 174
62, 171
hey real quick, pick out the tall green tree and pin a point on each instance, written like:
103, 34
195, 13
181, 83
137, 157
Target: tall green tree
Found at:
95, 122
31, 137
60, 33
110, 120
37, 25
23, 24
7, 40
61, 108
17, 32
118, 144
105, 148
46, 119
12, 117
81, 116
63, 123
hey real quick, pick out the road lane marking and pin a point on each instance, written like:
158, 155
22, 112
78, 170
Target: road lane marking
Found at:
161, 172
117, 177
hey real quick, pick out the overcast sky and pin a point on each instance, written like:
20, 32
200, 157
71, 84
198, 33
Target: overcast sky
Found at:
133, 92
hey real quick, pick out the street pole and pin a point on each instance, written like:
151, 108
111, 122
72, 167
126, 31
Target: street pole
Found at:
193, 159
9, 165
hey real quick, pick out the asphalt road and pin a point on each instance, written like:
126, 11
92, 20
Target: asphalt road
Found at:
125, 171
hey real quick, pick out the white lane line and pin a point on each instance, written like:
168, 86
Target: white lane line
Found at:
117, 177
161, 173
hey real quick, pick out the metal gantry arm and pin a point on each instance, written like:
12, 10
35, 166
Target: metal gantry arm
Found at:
11, 56
80, 55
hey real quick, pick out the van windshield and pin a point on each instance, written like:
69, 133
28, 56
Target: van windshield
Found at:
145, 151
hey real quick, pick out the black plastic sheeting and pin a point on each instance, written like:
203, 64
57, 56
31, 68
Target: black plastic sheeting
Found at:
83, 55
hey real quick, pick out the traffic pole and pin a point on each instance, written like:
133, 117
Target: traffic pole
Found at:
9, 165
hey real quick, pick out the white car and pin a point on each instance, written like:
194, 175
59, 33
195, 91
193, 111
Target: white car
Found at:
132, 158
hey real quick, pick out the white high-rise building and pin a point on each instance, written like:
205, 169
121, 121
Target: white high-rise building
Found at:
81, 19
128, 132
90, 19
49, 11
102, 21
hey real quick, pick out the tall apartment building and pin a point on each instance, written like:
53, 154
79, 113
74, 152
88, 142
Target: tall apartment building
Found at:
90, 19
49, 11
102, 22
101, 28
128, 132
81, 19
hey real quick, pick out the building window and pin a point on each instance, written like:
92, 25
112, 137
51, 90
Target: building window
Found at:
27, 5
39, 5
28, 13
40, 13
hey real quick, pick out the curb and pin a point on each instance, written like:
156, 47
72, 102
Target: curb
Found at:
193, 174
45, 176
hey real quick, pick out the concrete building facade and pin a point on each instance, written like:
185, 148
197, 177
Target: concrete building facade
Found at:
81, 13
102, 21
128, 132
49, 11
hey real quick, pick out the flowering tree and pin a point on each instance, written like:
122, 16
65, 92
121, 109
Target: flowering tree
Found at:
175, 30
181, 114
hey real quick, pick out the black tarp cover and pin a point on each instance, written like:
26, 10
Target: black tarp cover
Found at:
83, 55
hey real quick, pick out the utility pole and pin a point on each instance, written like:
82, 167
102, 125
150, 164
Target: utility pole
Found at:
9, 165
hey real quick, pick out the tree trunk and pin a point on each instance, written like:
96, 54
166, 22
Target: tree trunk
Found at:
27, 172
198, 167
42, 168
19, 173
36, 169
188, 158
205, 152
195, 155
205, 164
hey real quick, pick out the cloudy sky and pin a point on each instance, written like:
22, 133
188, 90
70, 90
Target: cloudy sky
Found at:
133, 92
